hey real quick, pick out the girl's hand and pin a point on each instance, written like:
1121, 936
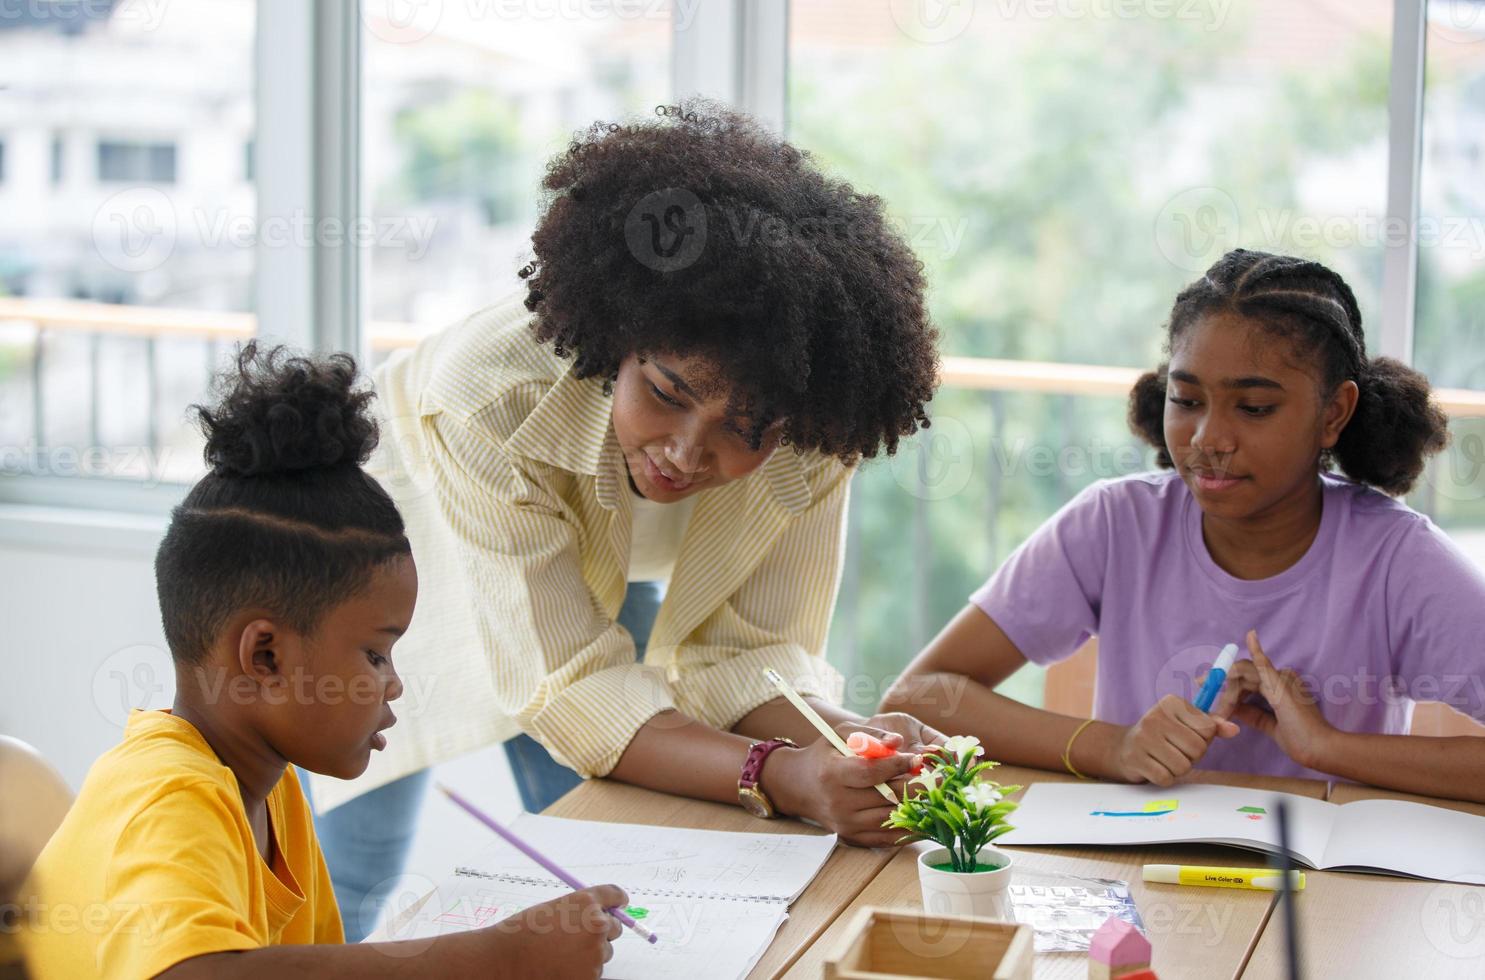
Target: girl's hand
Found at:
1295, 720
817, 783
1167, 742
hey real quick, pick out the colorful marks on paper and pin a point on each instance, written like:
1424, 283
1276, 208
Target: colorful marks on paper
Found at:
1253, 812
1155, 808
467, 917
636, 913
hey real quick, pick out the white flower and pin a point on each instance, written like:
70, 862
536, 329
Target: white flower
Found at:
961, 746
928, 777
981, 795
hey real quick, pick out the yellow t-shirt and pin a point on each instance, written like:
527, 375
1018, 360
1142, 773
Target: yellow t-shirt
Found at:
156, 863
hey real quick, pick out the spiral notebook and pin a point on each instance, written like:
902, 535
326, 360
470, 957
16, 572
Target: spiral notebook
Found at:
714, 899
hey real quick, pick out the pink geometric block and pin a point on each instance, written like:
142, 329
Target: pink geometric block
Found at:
1119, 944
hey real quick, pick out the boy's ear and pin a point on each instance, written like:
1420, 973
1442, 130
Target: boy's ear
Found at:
259, 653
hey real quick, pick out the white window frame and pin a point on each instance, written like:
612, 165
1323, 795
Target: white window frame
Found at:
308, 150
307, 158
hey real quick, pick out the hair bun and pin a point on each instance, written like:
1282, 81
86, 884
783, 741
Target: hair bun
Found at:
278, 413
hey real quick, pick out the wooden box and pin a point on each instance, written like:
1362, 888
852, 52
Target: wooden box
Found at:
898, 944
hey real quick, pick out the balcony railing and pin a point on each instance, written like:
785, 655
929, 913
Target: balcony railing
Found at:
149, 324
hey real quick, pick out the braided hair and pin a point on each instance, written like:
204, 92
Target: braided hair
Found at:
286, 518
1396, 425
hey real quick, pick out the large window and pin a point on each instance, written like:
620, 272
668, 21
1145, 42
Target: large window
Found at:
1450, 340
126, 249
464, 104
1063, 170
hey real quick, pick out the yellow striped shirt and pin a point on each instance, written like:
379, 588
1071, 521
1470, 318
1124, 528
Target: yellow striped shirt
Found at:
513, 487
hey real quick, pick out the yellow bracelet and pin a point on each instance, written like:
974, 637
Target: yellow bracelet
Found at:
1067, 752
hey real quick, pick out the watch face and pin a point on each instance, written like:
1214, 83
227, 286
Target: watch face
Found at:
754, 802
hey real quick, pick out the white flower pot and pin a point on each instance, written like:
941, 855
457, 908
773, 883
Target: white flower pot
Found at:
982, 893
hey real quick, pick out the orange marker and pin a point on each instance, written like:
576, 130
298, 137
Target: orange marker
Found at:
867, 747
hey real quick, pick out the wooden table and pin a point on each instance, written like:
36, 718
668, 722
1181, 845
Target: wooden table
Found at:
1362, 925
1351, 925
847, 872
1194, 932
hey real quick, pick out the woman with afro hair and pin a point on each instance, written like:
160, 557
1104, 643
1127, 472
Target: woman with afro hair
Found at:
626, 489
1363, 606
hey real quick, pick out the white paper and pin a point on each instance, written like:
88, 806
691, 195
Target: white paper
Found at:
715, 900
633, 856
1103, 813
699, 936
1410, 839
1390, 836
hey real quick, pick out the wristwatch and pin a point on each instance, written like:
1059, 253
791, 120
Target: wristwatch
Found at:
749, 794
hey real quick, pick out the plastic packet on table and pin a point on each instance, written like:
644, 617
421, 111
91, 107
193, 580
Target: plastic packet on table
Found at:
1065, 910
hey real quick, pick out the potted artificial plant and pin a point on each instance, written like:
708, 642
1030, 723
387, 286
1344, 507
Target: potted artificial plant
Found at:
955, 805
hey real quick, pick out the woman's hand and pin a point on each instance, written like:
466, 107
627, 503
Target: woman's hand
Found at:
917, 737
817, 783
1167, 742
1292, 718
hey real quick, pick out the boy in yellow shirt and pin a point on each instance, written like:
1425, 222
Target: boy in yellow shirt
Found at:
284, 580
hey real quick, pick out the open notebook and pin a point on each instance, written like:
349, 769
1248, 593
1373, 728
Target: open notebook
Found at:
714, 899
1386, 836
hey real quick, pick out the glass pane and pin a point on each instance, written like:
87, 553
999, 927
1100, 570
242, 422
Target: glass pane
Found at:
1063, 169
126, 258
464, 104
1449, 343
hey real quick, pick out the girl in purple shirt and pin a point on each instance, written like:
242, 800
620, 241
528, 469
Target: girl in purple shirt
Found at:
1362, 605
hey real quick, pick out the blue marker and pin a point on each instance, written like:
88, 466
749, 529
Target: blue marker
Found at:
1216, 677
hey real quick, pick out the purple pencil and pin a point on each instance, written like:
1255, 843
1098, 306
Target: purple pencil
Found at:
540, 859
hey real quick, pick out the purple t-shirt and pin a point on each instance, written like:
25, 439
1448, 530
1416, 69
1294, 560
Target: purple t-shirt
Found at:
1382, 610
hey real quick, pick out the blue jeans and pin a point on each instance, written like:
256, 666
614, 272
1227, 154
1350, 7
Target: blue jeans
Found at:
542, 779
366, 839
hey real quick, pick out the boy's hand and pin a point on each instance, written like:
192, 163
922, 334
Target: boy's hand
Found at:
571, 936
1293, 718
1167, 742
